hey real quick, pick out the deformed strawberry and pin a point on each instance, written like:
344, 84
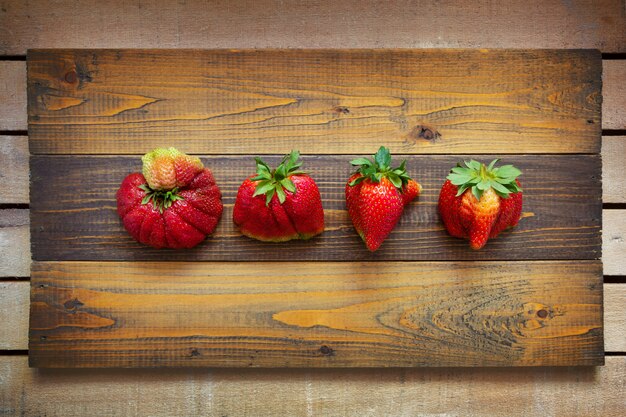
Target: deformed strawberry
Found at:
477, 201
175, 203
279, 205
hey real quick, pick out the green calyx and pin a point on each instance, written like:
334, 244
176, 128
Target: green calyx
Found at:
276, 181
380, 168
161, 200
480, 177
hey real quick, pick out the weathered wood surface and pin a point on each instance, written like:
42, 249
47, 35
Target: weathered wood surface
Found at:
74, 219
615, 317
93, 314
313, 24
14, 173
612, 90
12, 95
14, 154
614, 242
614, 103
318, 101
614, 109
497, 392
15, 303
14, 243
613, 174
16, 225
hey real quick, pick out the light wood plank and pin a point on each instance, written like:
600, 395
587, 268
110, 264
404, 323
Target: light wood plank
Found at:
615, 317
15, 302
81, 221
315, 314
14, 174
12, 95
337, 101
614, 94
613, 172
14, 305
614, 242
555, 392
13, 101
14, 243
314, 24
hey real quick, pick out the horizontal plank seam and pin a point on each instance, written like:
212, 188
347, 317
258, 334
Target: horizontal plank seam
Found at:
14, 132
614, 132
15, 352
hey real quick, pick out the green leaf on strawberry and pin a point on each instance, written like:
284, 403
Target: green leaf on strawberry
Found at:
480, 177
379, 168
276, 181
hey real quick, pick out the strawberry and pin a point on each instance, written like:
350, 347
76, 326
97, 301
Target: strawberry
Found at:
279, 205
175, 203
478, 202
376, 196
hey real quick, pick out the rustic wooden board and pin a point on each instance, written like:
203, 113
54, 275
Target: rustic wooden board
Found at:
90, 314
77, 220
320, 101
597, 24
92, 113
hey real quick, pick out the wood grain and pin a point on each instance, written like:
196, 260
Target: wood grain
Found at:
14, 173
614, 103
14, 154
313, 24
614, 242
557, 392
14, 243
613, 175
12, 95
615, 317
562, 216
14, 305
613, 118
133, 314
318, 101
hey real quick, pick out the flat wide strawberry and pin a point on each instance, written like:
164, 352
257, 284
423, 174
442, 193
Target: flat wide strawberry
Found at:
279, 205
478, 201
174, 204
376, 196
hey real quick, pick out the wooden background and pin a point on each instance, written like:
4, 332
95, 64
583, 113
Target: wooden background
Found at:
225, 24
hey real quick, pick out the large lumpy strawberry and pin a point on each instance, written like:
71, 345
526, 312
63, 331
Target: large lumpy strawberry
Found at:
376, 196
477, 201
279, 205
175, 203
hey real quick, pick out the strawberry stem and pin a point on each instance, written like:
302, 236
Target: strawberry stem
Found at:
161, 199
479, 177
276, 181
379, 168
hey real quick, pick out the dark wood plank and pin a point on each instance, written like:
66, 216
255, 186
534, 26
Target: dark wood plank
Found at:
320, 101
73, 213
316, 314
313, 24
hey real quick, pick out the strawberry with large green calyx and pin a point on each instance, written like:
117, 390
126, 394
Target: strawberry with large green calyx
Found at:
175, 203
279, 205
376, 196
479, 201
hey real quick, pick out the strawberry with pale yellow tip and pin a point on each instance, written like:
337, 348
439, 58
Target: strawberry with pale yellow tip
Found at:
477, 201
175, 203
